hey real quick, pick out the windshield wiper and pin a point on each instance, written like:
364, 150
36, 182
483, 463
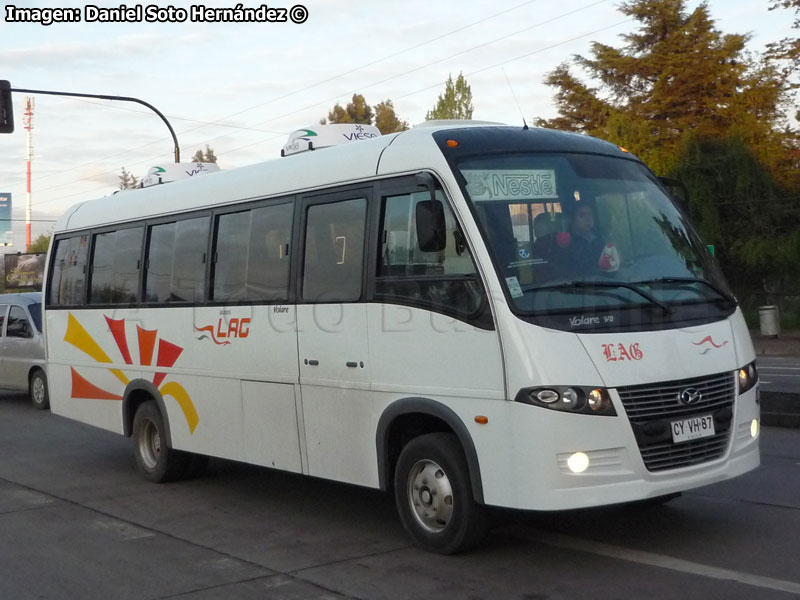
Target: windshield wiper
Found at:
723, 295
604, 284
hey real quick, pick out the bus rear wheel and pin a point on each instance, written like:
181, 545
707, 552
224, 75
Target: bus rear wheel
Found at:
433, 494
156, 461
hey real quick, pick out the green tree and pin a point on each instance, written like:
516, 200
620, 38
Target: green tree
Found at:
455, 102
737, 205
676, 75
41, 243
386, 120
205, 157
382, 115
786, 52
127, 181
696, 105
356, 111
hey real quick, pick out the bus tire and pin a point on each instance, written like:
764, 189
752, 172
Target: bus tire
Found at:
434, 496
37, 390
156, 461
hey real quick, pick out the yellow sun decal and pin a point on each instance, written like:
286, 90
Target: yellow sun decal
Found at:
167, 354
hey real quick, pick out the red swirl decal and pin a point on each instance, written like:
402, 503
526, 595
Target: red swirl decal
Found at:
709, 340
210, 330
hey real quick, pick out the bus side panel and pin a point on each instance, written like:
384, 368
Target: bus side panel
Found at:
100, 413
78, 388
270, 428
423, 353
205, 414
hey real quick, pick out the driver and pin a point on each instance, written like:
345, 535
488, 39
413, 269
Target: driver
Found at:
588, 252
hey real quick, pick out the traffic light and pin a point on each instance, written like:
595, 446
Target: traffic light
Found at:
6, 108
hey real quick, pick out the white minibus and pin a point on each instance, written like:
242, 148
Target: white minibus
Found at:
464, 314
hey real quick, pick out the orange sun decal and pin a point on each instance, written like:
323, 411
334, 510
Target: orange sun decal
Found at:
166, 356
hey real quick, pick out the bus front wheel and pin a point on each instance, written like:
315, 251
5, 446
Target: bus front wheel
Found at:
154, 458
433, 494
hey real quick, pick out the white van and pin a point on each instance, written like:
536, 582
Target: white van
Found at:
22, 364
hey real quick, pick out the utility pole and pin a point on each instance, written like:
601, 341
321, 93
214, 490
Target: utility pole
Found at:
28, 123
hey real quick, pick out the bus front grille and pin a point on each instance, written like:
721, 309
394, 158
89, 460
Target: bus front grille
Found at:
652, 409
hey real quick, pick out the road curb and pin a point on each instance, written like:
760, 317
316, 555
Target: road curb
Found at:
780, 409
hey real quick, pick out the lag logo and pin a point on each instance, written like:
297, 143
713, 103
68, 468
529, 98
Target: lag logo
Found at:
166, 356
234, 328
620, 352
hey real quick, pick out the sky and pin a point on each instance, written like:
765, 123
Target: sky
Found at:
241, 88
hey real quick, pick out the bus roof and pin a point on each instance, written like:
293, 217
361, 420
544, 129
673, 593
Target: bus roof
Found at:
404, 152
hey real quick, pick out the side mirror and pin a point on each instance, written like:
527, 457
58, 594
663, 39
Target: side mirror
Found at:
677, 190
6, 108
431, 226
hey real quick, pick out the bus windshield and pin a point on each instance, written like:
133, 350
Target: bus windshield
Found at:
577, 232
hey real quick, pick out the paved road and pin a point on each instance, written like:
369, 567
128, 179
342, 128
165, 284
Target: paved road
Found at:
779, 373
77, 522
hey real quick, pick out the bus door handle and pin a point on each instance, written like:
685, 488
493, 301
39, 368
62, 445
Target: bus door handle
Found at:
353, 364
312, 362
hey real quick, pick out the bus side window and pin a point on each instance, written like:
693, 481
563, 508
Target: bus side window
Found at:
115, 266
268, 261
231, 251
252, 255
445, 280
69, 271
334, 251
176, 266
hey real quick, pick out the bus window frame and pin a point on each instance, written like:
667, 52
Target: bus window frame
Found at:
174, 218
250, 205
93, 233
333, 196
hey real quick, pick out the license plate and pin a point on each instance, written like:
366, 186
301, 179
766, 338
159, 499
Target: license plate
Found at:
692, 428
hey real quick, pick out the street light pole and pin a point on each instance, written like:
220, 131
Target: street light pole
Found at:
107, 97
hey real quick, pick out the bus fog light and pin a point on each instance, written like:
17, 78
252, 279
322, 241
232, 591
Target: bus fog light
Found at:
754, 428
578, 462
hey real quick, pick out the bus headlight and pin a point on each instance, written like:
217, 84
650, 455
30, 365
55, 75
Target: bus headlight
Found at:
572, 398
598, 400
747, 377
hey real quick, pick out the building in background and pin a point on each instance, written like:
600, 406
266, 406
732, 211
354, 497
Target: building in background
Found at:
6, 233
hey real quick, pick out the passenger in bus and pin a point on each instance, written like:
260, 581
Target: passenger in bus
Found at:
545, 251
589, 254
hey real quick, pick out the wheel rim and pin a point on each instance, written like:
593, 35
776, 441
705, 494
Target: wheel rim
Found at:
38, 390
430, 496
149, 445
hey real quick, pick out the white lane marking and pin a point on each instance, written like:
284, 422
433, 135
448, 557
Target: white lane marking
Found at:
666, 562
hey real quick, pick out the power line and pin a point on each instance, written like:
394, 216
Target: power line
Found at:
317, 84
327, 101
323, 102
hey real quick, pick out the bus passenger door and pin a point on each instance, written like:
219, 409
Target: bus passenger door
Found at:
332, 338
